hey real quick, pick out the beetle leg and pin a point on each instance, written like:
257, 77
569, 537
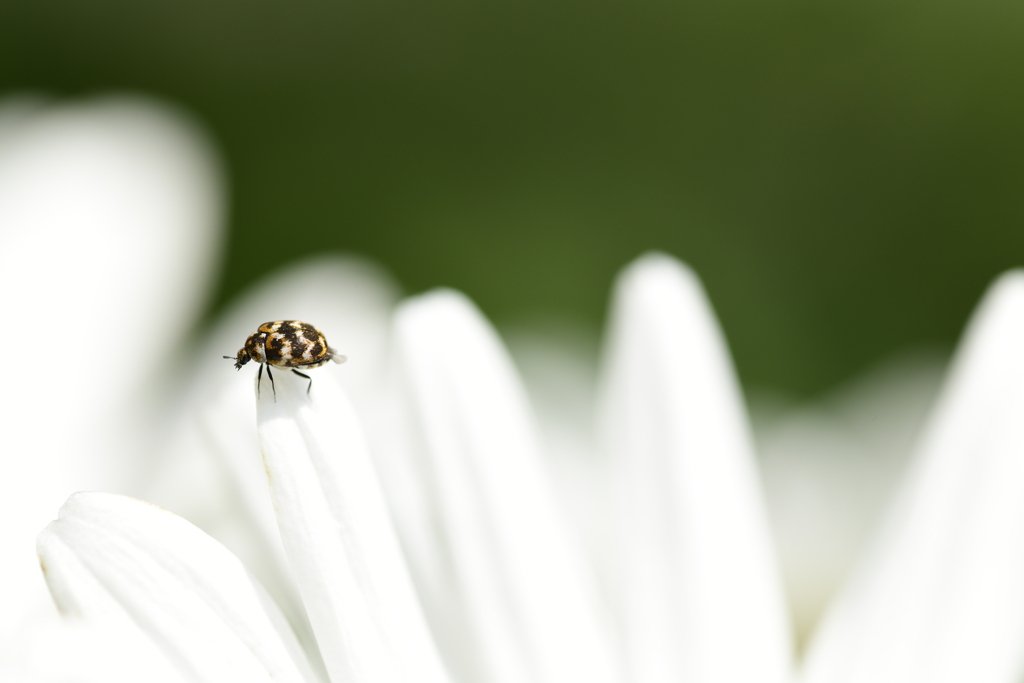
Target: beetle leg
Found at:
302, 374
272, 385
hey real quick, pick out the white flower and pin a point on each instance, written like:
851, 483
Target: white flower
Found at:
438, 548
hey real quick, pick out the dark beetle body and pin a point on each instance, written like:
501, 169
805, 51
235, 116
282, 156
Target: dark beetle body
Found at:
287, 344
290, 344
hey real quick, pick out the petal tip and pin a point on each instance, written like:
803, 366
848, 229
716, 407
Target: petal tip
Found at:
444, 314
1000, 312
656, 273
1007, 289
439, 300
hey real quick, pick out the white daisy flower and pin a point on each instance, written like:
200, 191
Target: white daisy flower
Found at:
436, 545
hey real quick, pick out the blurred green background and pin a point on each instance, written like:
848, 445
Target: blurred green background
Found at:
845, 176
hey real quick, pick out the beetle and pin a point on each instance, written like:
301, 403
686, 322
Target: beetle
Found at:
290, 344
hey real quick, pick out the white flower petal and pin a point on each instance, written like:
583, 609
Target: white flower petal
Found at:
701, 597
511, 591
941, 597
338, 535
109, 217
116, 560
211, 468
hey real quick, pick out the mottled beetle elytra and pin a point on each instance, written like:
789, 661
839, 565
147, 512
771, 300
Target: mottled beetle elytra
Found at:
290, 344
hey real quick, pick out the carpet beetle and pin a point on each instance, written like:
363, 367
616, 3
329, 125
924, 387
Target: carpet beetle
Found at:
290, 344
